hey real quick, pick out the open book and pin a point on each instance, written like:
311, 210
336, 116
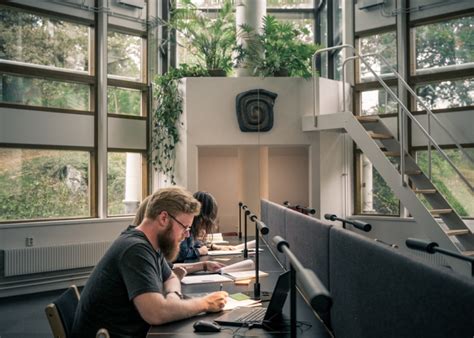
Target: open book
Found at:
241, 270
238, 250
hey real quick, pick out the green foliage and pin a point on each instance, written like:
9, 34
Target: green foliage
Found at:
38, 192
385, 202
165, 119
116, 171
212, 40
278, 49
442, 178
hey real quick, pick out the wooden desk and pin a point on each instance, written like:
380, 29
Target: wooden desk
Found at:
268, 263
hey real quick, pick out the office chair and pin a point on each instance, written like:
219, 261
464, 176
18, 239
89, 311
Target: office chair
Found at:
61, 312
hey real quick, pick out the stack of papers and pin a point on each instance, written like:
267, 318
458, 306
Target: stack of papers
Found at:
240, 300
238, 250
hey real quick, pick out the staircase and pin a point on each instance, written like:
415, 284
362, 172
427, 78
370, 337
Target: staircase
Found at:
379, 145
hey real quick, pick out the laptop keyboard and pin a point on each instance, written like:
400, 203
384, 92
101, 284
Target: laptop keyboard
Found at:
256, 315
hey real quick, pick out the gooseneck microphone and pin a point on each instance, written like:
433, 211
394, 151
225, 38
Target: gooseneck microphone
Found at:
240, 219
259, 226
246, 214
355, 223
432, 247
316, 293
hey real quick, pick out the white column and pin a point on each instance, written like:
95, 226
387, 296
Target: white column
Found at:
367, 186
250, 13
133, 182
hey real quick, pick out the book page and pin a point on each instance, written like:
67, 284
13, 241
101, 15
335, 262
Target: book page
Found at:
233, 303
250, 245
238, 275
202, 279
247, 264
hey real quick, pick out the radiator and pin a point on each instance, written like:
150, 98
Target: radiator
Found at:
25, 261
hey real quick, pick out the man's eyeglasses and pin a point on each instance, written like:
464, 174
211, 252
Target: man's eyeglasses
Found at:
185, 228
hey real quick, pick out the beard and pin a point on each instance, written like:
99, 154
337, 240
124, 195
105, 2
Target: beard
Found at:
167, 245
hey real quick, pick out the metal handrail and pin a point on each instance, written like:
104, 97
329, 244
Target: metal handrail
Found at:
404, 108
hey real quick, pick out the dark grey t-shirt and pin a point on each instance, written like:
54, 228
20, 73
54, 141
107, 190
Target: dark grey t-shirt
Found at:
129, 268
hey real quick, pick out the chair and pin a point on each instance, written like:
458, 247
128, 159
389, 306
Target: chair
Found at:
61, 312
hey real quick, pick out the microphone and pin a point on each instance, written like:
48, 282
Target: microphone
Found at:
315, 291
240, 219
259, 226
432, 247
355, 223
246, 214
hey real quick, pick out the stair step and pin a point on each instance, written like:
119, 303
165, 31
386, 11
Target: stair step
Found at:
413, 172
392, 153
441, 211
457, 232
379, 136
424, 191
365, 118
468, 253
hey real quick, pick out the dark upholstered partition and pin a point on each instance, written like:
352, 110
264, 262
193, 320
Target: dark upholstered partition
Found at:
275, 220
379, 292
309, 241
263, 211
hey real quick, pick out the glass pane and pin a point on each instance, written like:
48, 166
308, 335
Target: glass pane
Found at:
444, 44
324, 40
447, 181
290, 4
378, 102
446, 94
124, 55
301, 21
40, 40
376, 197
124, 101
270, 3
124, 183
44, 93
386, 45
43, 184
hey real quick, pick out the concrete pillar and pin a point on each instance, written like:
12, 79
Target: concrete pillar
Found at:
250, 13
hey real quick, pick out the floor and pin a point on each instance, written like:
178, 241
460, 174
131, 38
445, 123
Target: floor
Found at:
24, 317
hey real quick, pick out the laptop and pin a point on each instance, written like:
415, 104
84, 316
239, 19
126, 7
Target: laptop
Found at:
258, 316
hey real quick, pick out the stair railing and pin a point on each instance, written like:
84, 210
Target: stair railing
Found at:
431, 142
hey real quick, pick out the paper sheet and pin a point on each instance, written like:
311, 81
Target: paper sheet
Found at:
202, 279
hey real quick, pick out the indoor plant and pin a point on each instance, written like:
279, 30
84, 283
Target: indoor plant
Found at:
278, 50
211, 40
165, 118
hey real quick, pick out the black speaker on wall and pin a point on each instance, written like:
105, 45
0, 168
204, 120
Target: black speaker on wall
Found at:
255, 110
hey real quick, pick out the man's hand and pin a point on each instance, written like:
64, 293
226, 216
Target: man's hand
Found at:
212, 266
216, 301
180, 272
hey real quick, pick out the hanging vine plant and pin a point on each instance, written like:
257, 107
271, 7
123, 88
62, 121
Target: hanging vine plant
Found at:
166, 116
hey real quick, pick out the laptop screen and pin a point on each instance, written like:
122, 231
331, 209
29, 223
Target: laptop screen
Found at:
280, 293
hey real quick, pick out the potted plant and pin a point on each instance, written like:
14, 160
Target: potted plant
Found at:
278, 51
165, 118
211, 40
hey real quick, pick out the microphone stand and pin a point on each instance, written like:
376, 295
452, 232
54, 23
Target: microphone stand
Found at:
432, 247
316, 293
263, 230
357, 224
240, 219
247, 212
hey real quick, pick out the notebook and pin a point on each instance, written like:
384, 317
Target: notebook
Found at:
258, 317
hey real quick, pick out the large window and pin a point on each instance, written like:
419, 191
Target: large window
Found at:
383, 44
40, 40
51, 153
42, 184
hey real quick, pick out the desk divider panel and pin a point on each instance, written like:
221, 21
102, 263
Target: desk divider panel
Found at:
274, 216
379, 292
309, 240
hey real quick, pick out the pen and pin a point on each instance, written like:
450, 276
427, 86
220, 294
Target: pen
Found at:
220, 287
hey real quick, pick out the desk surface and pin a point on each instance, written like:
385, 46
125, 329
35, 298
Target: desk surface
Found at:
268, 263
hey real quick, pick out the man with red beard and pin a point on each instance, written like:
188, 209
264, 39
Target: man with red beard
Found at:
132, 287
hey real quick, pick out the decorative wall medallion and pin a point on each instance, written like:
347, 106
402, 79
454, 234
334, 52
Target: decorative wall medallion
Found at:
255, 110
